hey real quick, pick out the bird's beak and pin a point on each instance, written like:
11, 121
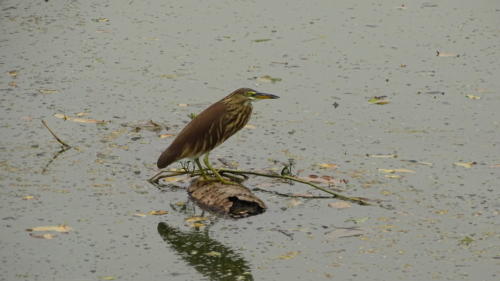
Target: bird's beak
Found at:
262, 96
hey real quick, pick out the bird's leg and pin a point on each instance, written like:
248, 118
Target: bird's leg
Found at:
219, 177
202, 171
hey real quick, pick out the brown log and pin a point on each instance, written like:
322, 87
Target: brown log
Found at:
231, 200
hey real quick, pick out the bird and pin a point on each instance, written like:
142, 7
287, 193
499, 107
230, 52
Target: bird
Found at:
212, 127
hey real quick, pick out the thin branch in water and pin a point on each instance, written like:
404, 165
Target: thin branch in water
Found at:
64, 147
55, 136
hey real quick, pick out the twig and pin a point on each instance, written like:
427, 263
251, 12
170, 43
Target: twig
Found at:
155, 179
56, 137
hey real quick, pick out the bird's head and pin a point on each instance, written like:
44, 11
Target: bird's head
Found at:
245, 95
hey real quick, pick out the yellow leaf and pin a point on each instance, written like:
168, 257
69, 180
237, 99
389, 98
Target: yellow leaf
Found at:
47, 91
182, 104
472, 97
13, 73
47, 236
28, 197
164, 136
58, 228
379, 100
141, 215
392, 171
268, 79
196, 219
465, 164
339, 205
328, 166
392, 176
289, 255
107, 278
158, 213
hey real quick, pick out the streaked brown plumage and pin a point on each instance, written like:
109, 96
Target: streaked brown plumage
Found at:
212, 127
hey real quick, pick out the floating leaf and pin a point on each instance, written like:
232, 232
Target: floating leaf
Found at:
158, 212
28, 197
196, 219
344, 233
339, 205
289, 255
380, 100
293, 203
141, 215
268, 79
12, 84
328, 166
418, 162
47, 236
13, 73
47, 91
357, 220
472, 97
80, 114
441, 212
58, 228
442, 54
107, 278
249, 126
382, 155
101, 20
466, 241
80, 120
392, 171
392, 176
164, 136
465, 164
183, 104
495, 166
261, 40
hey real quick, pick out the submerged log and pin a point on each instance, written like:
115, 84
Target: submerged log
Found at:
231, 200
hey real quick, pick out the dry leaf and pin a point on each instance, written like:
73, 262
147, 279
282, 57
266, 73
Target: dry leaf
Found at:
293, 203
13, 84
268, 79
164, 136
339, 205
47, 91
158, 213
47, 236
379, 100
80, 114
472, 97
58, 228
141, 215
102, 20
441, 54
328, 166
182, 104
392, 176
196, 219
28, 197
80, 120
465, 164
392, 171
289, 255
13, 73
382, 155
249, 126
441, 212
107, 278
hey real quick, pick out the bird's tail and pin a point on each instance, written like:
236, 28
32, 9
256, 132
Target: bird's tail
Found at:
166, 158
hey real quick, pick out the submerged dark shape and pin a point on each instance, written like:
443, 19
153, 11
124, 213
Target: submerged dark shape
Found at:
209, 257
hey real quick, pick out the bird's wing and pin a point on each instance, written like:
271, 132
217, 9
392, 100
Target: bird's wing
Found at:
197, 137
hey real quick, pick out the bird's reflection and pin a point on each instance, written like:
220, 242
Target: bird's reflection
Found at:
209, 257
